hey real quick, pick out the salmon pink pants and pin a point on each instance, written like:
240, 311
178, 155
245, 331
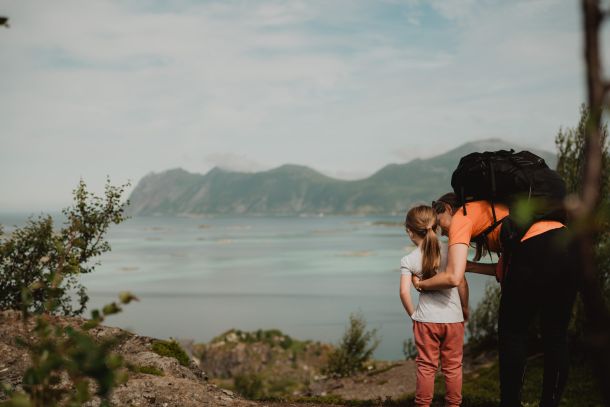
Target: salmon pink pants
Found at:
434, 340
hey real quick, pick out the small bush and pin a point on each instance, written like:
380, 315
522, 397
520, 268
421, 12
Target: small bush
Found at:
356, 348
409, 349
40, 269
41, 265
250, 386
483, 324
171, 349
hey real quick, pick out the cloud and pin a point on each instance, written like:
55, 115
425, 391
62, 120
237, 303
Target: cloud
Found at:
125, 88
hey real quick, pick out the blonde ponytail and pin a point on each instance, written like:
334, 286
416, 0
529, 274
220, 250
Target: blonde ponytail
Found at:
431, 254
421, 220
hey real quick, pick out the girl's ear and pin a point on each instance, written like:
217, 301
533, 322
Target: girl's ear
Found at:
410, 233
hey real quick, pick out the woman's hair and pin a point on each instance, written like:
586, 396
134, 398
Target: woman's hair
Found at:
450, 199
421, 220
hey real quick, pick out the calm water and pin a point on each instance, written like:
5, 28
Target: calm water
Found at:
198, 277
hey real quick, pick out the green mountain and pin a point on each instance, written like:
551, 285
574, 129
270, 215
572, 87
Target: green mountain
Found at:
293, 189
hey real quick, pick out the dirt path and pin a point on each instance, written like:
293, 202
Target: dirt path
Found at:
394, 381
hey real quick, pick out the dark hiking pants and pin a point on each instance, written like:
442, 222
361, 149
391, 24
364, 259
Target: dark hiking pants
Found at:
541, 280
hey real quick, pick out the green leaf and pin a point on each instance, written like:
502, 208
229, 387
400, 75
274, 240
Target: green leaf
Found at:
126, 297
110, 309
95, 314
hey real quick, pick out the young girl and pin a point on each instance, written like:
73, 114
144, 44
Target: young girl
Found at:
438, 321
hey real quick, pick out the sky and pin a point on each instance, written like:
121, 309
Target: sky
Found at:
123, 88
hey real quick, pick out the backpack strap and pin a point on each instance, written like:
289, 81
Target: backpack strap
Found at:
463, 200
493, 194
487, 231
482, 237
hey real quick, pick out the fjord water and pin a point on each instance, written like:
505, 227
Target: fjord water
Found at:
198, 277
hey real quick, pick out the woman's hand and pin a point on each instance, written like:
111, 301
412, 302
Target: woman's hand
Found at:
416, 280
488, 269
454, 273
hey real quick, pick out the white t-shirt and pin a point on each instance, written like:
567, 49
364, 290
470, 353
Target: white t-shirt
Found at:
441, 306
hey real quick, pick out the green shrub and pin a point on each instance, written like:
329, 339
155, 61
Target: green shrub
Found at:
286, 342
40, 266
356, 348
570, 149
171, 349
409, 349
58, 351
483, 322
250, 386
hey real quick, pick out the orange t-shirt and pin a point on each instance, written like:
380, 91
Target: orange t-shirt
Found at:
479, 217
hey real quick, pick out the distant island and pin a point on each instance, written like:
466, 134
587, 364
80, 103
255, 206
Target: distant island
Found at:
299, 190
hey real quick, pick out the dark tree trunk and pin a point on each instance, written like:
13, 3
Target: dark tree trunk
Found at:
587, 208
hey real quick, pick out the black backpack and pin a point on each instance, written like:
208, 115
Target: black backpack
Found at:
510, 178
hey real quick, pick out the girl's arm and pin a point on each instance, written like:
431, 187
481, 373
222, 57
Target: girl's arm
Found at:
488, 269
453, 275
405, 293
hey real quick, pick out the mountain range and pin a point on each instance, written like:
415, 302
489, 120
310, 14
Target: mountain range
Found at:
293, 189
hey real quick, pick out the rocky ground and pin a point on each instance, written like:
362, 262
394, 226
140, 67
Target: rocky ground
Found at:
180, 386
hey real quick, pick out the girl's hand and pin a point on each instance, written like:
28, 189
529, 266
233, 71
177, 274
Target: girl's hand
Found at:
416, 280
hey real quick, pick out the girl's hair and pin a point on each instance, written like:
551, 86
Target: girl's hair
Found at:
421, 220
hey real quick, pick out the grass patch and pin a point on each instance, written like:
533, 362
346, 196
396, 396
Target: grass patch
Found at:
258, 386
151, 370
171, 349
484, 385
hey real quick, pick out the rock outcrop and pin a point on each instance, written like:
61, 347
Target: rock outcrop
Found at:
180, 386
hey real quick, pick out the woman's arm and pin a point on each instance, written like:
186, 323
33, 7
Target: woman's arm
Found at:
405, 293
453, 275
463, 291
488, 269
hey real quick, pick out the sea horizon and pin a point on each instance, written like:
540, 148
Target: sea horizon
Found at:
200, 276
